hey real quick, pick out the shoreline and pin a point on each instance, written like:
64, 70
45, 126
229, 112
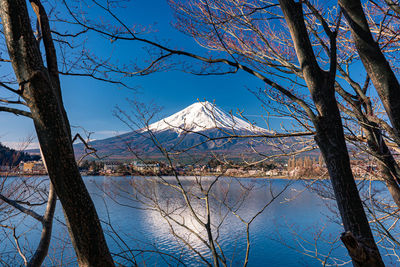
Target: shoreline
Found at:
282, 177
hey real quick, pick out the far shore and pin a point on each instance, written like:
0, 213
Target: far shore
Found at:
282, 177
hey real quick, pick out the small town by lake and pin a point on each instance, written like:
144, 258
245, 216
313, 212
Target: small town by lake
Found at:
301, 168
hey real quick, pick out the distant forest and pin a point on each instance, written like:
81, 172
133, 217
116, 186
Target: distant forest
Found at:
11, 157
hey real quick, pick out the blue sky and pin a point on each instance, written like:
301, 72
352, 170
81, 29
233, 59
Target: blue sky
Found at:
89, 103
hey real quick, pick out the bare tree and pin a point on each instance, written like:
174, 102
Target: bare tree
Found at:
24, 196
40, 88
375, 63
301, 62
212, 24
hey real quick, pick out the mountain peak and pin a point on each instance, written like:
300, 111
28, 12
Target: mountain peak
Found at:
202, 116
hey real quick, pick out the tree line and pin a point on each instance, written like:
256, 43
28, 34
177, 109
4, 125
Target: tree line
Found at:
12, 157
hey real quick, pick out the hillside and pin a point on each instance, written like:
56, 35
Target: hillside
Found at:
11, 157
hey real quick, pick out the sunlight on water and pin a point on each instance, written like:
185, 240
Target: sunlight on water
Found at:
296, 223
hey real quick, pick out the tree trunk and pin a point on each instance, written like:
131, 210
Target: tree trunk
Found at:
375, 63
376, 143
38, 90
331, 142
386, 162
330, 137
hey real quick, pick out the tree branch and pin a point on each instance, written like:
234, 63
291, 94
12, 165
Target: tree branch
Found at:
16, 111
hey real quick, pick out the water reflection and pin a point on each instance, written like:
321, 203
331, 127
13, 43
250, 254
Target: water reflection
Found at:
161, 213
144, 212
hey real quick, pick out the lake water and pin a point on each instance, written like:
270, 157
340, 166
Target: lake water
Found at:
297, 228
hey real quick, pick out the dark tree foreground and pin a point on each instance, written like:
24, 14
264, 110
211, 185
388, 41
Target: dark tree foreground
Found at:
384, 80
39, 87
330, 138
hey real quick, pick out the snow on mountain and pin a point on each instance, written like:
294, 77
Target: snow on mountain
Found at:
202, 116
170, 133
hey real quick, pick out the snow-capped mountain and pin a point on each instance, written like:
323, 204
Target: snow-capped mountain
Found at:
201, 127
202, 116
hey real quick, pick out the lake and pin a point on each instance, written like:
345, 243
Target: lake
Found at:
149, 220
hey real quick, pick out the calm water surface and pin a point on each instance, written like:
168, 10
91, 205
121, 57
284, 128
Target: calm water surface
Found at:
296, 229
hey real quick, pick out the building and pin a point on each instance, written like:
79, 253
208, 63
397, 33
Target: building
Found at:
110, 167
146, 167
32, 167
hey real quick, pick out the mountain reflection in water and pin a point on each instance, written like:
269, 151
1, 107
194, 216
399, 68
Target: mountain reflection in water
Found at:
297, 222
293, 211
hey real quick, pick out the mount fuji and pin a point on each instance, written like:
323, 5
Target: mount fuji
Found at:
202, 116
199, 129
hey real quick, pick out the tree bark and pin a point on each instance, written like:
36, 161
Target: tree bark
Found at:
39, 91
330, 136
331, 142
375, 63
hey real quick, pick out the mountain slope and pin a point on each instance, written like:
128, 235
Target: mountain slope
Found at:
187, 130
